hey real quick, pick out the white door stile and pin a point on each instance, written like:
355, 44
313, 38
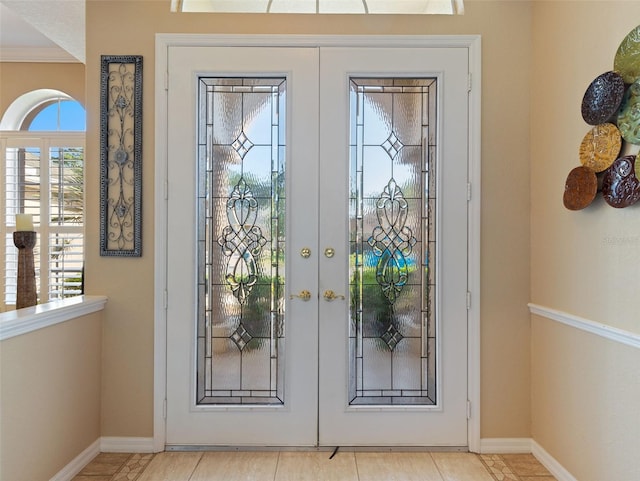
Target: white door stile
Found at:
444, 424
295, 422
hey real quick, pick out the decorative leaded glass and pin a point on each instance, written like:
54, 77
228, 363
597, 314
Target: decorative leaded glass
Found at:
241, 242
392, 241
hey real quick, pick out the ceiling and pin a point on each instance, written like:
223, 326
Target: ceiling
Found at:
42, 31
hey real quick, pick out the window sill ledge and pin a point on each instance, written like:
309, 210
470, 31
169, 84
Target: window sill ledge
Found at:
22, 321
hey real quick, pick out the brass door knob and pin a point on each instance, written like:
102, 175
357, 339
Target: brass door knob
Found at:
329, 295
305, 295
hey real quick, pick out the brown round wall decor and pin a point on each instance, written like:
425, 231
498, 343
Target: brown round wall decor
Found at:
580, 188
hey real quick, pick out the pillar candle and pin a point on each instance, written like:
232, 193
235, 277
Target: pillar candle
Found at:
24, 222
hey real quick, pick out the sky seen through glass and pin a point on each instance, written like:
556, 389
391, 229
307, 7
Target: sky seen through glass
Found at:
65, 115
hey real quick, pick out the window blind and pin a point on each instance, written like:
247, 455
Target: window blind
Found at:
44, 176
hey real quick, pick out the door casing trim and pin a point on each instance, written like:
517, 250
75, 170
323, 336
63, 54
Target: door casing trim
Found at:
164, 41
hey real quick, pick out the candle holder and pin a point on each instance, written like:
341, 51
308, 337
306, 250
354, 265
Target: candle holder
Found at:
25, 241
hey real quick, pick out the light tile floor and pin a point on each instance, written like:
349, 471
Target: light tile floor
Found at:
313, 466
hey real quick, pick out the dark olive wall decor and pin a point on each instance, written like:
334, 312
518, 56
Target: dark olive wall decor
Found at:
121, 156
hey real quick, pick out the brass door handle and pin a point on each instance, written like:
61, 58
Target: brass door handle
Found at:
329, 295
305, 295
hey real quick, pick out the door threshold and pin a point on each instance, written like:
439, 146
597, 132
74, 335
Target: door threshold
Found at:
329, 449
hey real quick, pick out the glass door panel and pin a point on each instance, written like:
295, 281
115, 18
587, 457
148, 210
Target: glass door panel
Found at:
392, 346
241, 241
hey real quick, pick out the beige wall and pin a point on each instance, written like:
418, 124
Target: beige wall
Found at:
585, 402
505, 27
49, 398
584, 388
594, 253
506, 33
19, 78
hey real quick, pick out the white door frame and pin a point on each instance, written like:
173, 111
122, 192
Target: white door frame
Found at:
164, 41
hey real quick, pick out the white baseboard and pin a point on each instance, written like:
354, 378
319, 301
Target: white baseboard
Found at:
80, 461
526, 445
549, 462
505, 445
126, 445
103, 445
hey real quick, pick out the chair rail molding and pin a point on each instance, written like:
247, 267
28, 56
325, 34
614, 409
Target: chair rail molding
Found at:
603, 330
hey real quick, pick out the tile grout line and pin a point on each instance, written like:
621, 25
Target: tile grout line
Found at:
509, 467
275, 472
437, 467
488, 468
119, 470
144, 468
195, 468
127, 465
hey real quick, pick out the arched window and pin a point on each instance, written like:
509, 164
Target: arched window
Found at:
42, 144
57, 115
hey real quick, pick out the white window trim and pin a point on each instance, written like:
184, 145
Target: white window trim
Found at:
17, 112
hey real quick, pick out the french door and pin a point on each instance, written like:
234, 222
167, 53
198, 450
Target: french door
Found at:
317, 246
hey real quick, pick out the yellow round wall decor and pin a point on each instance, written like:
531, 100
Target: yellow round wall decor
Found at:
600, 147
